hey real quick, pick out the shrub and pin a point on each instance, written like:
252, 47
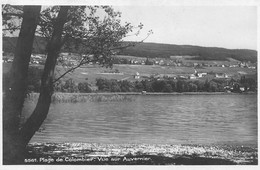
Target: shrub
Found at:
84, 88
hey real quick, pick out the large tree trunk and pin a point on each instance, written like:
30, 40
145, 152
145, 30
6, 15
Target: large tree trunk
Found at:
14, 98
42, 108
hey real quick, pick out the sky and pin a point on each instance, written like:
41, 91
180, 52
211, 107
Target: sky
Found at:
233, 27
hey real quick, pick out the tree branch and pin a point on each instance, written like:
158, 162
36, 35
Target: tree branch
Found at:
73, 68
14, 28
20, 15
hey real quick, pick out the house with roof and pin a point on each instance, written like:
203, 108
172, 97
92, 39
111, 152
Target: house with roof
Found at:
221, 75
201, 74
137, 75
197, 75
192, 76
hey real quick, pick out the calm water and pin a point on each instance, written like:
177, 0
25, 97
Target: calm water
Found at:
164, 119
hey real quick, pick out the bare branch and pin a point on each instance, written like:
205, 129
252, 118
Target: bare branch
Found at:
18, 7
20, 15
14, 28
82, 62
133, 43
71, 69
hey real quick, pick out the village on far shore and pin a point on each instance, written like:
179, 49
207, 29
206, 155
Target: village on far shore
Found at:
139, 68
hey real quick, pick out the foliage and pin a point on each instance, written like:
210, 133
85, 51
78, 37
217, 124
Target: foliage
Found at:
84, 87
153, 85
169, 85
94, 37
69, 86
249, 83
11, 18
94, 32
62, 26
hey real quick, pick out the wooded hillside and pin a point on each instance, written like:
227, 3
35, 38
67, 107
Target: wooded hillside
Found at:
152, 50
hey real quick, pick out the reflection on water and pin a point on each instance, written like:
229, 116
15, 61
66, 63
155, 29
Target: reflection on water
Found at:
172, 119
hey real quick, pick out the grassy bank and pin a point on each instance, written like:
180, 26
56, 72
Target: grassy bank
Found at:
142, 154
82, 97
110, 97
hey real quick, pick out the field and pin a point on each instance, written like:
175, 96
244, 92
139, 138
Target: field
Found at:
90, 73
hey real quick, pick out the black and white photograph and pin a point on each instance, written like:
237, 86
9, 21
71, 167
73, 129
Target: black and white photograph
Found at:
136, 83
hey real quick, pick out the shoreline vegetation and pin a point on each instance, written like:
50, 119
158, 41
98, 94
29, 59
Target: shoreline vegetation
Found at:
139, 154
111, 97
152, 80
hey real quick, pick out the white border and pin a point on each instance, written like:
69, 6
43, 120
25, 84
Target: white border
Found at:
136, 2
130, 3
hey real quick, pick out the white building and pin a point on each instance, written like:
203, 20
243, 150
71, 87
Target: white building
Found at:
221, 75
192, 76
137, 75
201, 74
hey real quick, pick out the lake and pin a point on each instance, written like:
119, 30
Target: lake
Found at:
154, 119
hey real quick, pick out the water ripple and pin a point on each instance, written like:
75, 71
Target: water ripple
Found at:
173, 119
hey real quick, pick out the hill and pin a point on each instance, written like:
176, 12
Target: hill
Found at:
152, 50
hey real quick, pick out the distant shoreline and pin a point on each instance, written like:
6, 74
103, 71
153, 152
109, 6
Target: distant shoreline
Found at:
109, 97
153, 93
173, 93
158, 93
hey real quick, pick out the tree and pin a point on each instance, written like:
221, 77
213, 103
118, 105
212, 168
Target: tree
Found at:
139, 86
126, 86
70, 86
192, 87
115, 87
213, 86
148, 62
167, 88
17, 86
180, 86
74, 28
236, 88
147, 85
206, 85
84, 87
